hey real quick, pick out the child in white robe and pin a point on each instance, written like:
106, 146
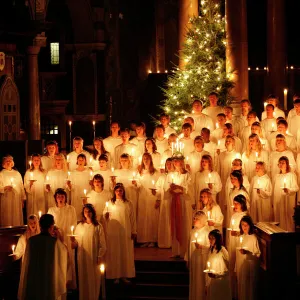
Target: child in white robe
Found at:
217, 280
256, 129
112, 141
49, 157
91, 246
121, 233
34, 183
148, 206
98, 149
197, 255
140, 138
260, 195
247, 261
150, 147
284, 195
186, 141
12, 194
161, 141
212, 210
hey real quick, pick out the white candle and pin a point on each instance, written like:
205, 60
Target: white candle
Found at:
132, 152
265, 104
30, 162
256, 155
217, 125
102, 268
68, 157
241, 240
112, 169
208, 265
72, 230
273, 127
284, 183
31, 175
208, 215
47, 178
13, 248
11, 181
91, 174
258, 182
209, 178
285, 91
106, 204
153, 184
133, 175
172, 176
40, 213
84, 191
232, 223
219, 142
69, 173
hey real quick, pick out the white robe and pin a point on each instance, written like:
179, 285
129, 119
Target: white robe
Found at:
107, 178
120, 252
44, 269
94, 163
130, 149
219, 288
91, 245
202, 121
194, 160
284, 203
290, 142
72, 159
247, 268
80, 182
188, 145
99, 202
213, 111
197, 262
11, 202
64, 218
47, 162
110, 143
140, 143
215, 215
261, 207
36, 195
157, 162
269, 126
57, 179
148, 215
274, 158
277, 113
162, 145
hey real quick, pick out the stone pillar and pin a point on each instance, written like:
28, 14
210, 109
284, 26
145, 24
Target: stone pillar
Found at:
237, 49
276, 48
34, 96
187, 9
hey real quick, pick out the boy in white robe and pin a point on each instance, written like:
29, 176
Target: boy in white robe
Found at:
112, 141
213, 109
165, 121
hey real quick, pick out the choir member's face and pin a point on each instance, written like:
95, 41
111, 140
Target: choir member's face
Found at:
61, 200
253, 143
272, 101
245, 227
139, 131
259, 169
172, 139
198, 145
280, 143
97, 183
281, 128
125, 136
97, 145
229, 144
237, 207
269, 111
58, 162
205, 164
236, 166
221, 121
149, 145
197, 107
282, 165
36, 161
164, 121
297, 108
124, 163
196, 221
212, 240
159, 132
114, 128
169, 166
81, 161
102, 164
245, 107
225, 130
87, 213
146, 160
205, 136
32, 224
78, 145
119, 192
8, 163
234, 181
213, 100
186, 132
51, 149
228, 113
251, 119
204, 198
177, 164
255, 129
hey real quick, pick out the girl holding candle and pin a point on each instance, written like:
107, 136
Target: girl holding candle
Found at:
164, 239
253, 154
256, 129
57, 178
12, 194
240, 210
79, 181
150, 147
197, 255
284, 195
91, 246
121, 233
228, 130
65, 217
126, 175
98, 149
260, 194
206, 178
98, 196
148, 206
247, 261
217, 280
212, 210
49, 157
34, 183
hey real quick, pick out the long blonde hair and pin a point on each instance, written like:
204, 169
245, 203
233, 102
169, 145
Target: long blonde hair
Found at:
210, 203
259, 145
64, 165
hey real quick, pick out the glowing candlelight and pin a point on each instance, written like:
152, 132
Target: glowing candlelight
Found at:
232, 223
84, 191
31, 175
40, 213
256, 155
133, 175
172, 176
209, 178
72, 230
11, 181
70, 124
94, 123
68, 157
217, 125
102, 268
208, 215
106, 204
273, 126
140, 159
69, 173
265, 104
241, 240
13, 247
219, 142
258, 183
47, 178
132, 152
30, 162
91, 174
285, 91
284, 183
208, 265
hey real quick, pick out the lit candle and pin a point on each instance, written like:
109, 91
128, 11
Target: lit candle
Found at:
40, 213
68, 157
132, 152
232, 223
133, 175
284, 183
31, 175
209, 178
285, 91
112, 170
102, 268
208, 215
30, 162
70, 124
217, 125
91, 174
94, 128
172, 176
13, 247
72, 230
69, 173
258, 182
47, 178
219, 142
106, 204
208, 265
12, 181
241, 240
84, 191
153, 184
265, 104
256, 155
273, 127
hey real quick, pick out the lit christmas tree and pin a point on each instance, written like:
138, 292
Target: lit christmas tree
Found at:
205, 66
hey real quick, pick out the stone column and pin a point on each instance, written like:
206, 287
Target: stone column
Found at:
34, 96
237, 49
187, 9
276, 48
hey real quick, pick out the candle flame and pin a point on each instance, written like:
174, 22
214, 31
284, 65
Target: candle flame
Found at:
13, 248
241, 239
72, 229
40, 213
208, 264
102, 268
70, 123
112, 169
106, 204
84, 191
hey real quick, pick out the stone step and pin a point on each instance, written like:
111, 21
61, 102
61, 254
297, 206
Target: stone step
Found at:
162, 277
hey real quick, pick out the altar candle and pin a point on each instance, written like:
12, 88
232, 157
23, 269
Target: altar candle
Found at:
72, 230
13, 248
102, 268
285, 91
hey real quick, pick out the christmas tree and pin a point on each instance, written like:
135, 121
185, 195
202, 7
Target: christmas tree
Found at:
205, 66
